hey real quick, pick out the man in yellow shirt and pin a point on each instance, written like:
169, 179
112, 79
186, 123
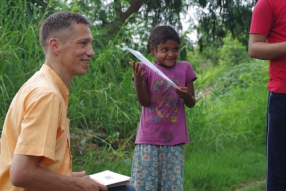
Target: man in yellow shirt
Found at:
35, 141
35, 148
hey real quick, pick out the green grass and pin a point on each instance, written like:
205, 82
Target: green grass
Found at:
224, 170
227, 126
229, 169
258, 186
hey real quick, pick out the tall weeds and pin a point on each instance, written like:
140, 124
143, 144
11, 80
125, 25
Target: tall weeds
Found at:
103, 101
235, 113
20, 52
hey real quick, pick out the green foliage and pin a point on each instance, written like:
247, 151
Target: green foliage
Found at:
233, 110
140, 15
219, 18
167, 11
255, 186
20, 52
233, 53
226, 170
226, 124
203, 59
241, 76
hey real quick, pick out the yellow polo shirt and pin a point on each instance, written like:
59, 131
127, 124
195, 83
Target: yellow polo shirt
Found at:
37, 124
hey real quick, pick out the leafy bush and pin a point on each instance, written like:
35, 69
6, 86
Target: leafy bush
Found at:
233, 53
234, 111
241, 76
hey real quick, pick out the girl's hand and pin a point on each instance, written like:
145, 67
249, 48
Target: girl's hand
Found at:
138, 72
188, 94
141, 86
183, 92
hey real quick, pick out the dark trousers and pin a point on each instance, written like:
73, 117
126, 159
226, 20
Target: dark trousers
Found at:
127, 187
276, 142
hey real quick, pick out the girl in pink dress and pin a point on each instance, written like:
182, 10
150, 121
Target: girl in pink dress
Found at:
159, 154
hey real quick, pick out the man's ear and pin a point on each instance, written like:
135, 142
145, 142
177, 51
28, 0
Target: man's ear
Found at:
54, 45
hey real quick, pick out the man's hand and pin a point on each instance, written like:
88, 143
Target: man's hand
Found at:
99, 186
25, 172
78, 174
87, 184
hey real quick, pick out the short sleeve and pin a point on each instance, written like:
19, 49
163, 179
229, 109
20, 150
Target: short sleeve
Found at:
262, 18
39, 126
190, 73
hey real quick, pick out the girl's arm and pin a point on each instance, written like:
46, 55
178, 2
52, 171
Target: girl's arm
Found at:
188, 94
141, 87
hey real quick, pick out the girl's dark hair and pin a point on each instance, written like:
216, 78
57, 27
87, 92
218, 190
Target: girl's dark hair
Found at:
161, 34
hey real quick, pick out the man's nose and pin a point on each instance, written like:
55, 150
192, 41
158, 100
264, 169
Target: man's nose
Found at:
90, 52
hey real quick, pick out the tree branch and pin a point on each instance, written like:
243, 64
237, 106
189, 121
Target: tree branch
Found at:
134, 8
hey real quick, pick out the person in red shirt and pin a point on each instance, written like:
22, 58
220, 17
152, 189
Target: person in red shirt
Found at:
267, 41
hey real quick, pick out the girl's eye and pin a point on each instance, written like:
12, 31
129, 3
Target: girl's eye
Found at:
176, 49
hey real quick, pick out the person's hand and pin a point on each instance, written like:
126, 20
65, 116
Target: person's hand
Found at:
78, 174
88, 184
183, 92
138, 72
187, 94
95, 185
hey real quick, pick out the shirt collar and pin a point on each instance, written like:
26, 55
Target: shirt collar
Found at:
51, 74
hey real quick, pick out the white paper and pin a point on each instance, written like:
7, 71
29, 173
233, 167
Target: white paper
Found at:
110, 179
150, 65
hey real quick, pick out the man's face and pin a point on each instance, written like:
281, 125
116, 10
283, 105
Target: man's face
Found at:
77, 51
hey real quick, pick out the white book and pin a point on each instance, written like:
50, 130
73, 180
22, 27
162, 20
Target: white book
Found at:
110, 179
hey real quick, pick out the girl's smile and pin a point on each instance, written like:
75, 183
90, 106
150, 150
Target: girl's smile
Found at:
166, 54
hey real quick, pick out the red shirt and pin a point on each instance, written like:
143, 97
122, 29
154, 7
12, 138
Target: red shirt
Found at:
269, 19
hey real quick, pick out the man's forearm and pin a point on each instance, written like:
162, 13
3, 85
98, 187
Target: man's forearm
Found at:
266, 51
26, 172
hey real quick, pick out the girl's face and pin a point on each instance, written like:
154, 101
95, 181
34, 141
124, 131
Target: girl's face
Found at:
166, 53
